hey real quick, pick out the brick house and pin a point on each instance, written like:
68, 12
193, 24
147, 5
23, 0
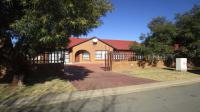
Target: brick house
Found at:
93, 50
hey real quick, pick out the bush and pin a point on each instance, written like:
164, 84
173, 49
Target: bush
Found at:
169, 60
196, 62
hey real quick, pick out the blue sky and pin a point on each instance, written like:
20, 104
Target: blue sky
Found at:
130, 17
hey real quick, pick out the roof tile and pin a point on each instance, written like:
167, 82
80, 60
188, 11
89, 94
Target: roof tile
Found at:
117, 44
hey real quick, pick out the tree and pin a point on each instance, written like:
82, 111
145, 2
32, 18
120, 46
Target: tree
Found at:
188, 25
29, 27
160, 39
184, 31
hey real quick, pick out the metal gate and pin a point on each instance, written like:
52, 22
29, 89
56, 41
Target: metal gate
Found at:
116, 56
108, 61
126, 56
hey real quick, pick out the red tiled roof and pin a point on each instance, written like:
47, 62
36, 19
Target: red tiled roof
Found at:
120, 44
116, 44
73, 41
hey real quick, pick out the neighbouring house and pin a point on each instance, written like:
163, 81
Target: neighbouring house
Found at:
93, 50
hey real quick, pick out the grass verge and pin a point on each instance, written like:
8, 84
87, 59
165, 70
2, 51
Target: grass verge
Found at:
54, 86
162, 74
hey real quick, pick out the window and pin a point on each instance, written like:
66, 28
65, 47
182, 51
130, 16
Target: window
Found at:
86, 56
100, 55
55, 57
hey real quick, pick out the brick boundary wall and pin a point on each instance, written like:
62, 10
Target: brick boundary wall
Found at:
131, 65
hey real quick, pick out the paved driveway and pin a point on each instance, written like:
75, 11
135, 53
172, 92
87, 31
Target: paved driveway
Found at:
93, 76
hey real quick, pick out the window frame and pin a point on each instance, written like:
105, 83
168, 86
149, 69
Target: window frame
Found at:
88, 56
102, 54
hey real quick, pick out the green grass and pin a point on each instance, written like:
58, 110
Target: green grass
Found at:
36, 90
162, 74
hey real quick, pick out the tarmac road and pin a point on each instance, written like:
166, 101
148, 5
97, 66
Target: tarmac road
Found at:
173, 99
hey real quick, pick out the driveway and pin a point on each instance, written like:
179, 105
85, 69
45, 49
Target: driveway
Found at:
93, 76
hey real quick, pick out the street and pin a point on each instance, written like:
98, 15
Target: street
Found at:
172, 99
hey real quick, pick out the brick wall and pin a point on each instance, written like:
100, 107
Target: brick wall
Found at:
131, 65
91, 48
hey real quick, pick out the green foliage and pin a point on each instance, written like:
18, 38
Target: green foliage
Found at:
162, 30
47, 23
39, 25
43, 24
149, 55
142, 37
158, 47
142, 50
185, 31
170, 58
188, 25
160, 40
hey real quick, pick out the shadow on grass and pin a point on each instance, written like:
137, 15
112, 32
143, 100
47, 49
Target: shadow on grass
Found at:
195, 71
46, 72
48, 103
171, 69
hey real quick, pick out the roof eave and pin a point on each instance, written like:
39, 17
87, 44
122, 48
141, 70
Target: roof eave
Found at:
91, 39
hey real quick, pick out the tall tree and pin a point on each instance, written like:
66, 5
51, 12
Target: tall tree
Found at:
160, 39
188, 25
29, 27
184, 31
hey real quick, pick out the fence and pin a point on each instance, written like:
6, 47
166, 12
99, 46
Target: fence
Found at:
48, 58
117, 56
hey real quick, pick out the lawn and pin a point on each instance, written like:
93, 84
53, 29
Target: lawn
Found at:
163, 74
54, 86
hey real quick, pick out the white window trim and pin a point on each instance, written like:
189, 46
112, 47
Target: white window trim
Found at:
86, 56
100, 54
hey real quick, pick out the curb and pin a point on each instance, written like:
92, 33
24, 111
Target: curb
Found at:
120, 90
67, 97
131, 89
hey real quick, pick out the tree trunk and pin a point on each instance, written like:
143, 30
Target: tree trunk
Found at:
14, 80
20, 82
17, 80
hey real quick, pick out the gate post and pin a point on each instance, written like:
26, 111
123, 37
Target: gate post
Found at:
111, 59
108, 61
105, 62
